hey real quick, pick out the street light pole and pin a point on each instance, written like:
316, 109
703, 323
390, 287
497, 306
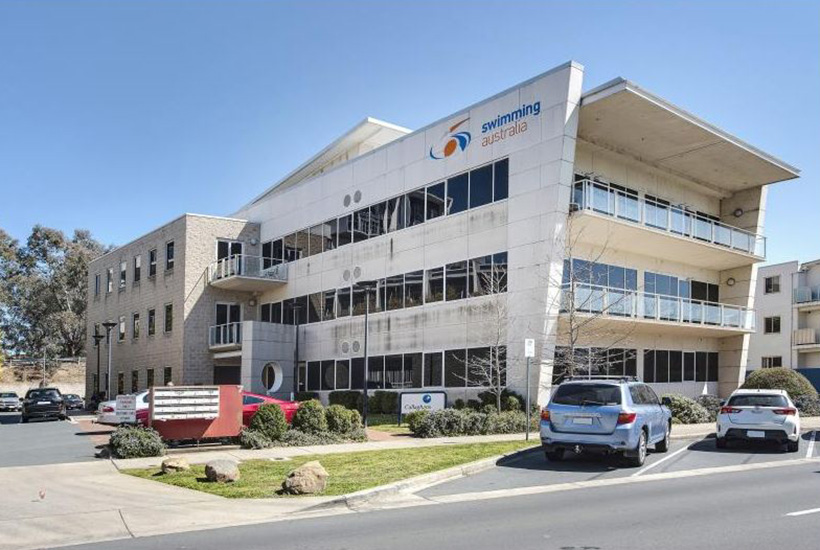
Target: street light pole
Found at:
108, 325
97, 338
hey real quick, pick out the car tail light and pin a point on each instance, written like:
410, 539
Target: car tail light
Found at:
108, 409
627, 417
729, 410
545, 415
788, 411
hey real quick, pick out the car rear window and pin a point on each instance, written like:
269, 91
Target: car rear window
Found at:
587, 394
758, 401
43, 394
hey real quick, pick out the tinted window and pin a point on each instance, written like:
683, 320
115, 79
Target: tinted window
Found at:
315, 307
456, 281
457, 194
432, 369
435, 201
343, 302
357, 373
481, 186
43, 394
500, 272
342, 374
758, 401
412, 370
316, 240
8, 394
395, 292
413, 288
362, 229
392, 372
378, 219
636, 395
314, 376
343, 230
331, 234
375, 372
394, 217
414, 208
501, 186
481, 276
435, 285
328, 375
587, 394
455, 368
276, 312
330, 305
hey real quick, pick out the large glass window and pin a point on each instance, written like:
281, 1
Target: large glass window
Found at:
375, 373
676, 366
480, 367
315, 307
481, 186
500, 272
412, 370
357, 373
435, 285
314, 376
331, 234
501, 183
359, 300
301, 312
330, 305
458, 191
362, 225
343, 374
292, 252
395, 214
378, 219
414, 206
414, 289
456, 281
432, 369
481, 276
395, 292
454, 368
276, 312
344, 230
392, 372
435, 200
343, 302
316, 240
712, 372
328, 375
649, 365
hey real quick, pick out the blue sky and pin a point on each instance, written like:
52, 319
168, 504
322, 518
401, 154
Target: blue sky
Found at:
119, 116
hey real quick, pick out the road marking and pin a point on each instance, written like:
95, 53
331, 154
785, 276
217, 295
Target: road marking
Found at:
804, 512
812, 439
661, 461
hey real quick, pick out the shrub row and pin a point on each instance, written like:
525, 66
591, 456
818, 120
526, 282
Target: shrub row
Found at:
686, 410
453, 422
378, 402
136, 442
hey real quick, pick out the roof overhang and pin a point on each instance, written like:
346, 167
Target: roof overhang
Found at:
621, 117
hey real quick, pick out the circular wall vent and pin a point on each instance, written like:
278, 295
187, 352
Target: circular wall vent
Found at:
345, 347
357, 272
357, 196
347, 200
346, 275
356, 346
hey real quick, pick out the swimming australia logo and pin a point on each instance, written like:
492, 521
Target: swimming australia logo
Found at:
427, 398
451, 142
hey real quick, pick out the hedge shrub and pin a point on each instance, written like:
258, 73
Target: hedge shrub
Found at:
414, 418
341, 420
136, 442
387, 402
254, 439
687, 410
306, 396
349, 399
270, 421
310, 417
710, 403
808, 405
454, 422
446, 422
780, 378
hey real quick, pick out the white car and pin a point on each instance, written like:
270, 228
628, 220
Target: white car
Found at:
107, 410
759, 415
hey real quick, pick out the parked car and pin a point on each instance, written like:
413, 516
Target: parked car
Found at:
602, 415
107, 410
10, 401
43, 403
73, 402
759, 415
252, 401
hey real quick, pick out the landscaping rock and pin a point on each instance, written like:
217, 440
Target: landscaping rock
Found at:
222, 471
308, 479
175, 464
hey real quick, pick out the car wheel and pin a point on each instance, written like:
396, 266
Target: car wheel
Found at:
555, 456
637, 459
720, 442
663, 445
793, 446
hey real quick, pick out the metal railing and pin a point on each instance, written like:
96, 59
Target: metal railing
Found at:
805, 337
242, 265
618, 302
609, 200
229, 334
805, 294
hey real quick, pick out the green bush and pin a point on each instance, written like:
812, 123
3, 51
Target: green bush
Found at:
459, 404
310, 417
506, 422
341, 420
808, 405
489, 398
447, 422
511, 403
414, 418
687, 410
306, 396
710, 403
473, 404
136, 442
473, 423
297, 438
454, 422
269, 420
488, 409
388, 402
349, 399
780, 378
254, 439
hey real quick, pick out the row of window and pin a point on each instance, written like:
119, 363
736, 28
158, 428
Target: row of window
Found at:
771, 362
680, 366
659, 366
135, 380
476, 277
168, 323
457, 368
136, 272
457, 194
593, 362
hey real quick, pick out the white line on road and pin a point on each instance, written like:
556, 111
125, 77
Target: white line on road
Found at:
812, 439
804, 512
661, 461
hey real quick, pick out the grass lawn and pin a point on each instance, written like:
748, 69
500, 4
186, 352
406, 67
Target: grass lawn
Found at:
349, 472
386, 423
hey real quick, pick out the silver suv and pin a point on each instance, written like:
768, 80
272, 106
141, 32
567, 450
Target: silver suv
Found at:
9, 401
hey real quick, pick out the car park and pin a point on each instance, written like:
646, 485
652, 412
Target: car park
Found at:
758, 415
43, 403
604, 415
10, 401
107, 410
73, 402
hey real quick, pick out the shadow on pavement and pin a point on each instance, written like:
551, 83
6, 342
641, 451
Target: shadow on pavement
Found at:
9, 419
738, 447
534, 459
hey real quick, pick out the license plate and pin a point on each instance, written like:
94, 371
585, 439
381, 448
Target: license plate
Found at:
584, 421
755, 434
44, 402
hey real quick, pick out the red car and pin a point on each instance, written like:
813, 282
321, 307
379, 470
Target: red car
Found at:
250, 404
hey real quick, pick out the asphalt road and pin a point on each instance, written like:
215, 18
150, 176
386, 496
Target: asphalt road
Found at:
735, 510
42, 442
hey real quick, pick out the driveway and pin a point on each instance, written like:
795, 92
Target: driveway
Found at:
43, 441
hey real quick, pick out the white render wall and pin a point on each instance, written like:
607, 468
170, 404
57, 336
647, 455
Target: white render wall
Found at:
771, 305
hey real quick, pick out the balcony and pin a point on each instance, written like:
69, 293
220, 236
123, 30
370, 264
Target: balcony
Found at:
645, 311
807, 298
606, 214
225, 337
805, 340
247, 273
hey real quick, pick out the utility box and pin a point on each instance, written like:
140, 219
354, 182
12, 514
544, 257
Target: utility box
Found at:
196, 412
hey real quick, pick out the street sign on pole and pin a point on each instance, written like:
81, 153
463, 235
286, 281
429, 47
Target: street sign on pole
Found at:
529, 352
529, 347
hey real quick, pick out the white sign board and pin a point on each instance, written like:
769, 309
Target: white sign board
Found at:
422, 401
185, 403
126, 410
529, 347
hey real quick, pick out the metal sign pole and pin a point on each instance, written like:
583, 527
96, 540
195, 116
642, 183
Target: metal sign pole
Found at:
529, 352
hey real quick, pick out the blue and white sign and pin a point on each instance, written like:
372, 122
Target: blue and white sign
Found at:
422, 401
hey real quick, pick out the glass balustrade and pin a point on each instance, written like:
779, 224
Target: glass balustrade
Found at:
242, 265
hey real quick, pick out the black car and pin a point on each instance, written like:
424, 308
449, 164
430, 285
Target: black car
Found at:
43, 403
73, 402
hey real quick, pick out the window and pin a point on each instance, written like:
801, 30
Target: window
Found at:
357, 373
316, 240
331, 235
120, 383
772, 284
343, 302
456, 281
432, 376
152, 262
362, 229
412, 370
392, 372
137, 268
330, 305
771, 325
315, 307
359, 300
501, 180
344, 230
395, 292
375, 373
435, 285
314, 375
97, 284
109, 280
343, 374
481, 276
135, 325
771, 362
454, 368
395, 214
149, 378
378, 220
167, 376
414, 289
435, 201
457, 194
169, 317
152, 322
123, 269
135, 381
169, 255
121, 329
328, 375
481, 186
414, 207
500, 272
264, 313
301, 376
